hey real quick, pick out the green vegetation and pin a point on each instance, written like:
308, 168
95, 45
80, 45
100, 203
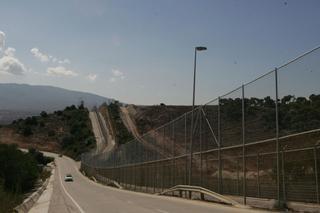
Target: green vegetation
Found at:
295, 114
299, 114
69, 129
79, 138
122, 133
19, 172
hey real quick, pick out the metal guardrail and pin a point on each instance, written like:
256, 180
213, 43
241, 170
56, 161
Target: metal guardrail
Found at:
202, 191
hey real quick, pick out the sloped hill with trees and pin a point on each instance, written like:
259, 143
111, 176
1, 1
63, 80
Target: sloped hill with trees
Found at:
67, 131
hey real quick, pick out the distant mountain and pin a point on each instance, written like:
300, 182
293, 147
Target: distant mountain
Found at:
20, 100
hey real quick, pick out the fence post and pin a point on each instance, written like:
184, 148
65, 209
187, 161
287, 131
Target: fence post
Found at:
155, 175
200, 140
219, 148
258, 175
173, 155
238, 176
244, 149
283, 177
163, 166
316, 172
185, 144
277, 137
162, 176
191, 147
135, 177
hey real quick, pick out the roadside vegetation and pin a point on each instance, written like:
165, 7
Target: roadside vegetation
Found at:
296, 114
69, 131
19, 173
122, 134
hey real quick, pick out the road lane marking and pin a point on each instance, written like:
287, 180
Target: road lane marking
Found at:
64, 189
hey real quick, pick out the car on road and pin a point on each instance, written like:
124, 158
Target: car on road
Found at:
68, 178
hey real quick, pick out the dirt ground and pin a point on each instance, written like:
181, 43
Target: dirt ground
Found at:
9, 136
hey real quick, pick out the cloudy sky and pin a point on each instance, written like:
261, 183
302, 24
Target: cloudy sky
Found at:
141, 51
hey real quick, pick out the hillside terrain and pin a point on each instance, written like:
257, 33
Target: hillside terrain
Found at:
65, 131
23, 100
151, 117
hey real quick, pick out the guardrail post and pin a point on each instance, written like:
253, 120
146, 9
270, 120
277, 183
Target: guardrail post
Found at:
316, 173
244, 149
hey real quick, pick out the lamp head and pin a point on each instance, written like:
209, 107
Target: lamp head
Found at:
201, 48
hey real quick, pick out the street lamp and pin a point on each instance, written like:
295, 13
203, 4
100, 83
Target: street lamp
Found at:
193, 100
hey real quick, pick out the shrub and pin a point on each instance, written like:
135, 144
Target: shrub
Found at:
44, 114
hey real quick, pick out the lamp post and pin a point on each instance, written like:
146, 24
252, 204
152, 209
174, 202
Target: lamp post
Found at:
192, 114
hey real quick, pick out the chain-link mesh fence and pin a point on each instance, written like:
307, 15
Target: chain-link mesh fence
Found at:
259, 140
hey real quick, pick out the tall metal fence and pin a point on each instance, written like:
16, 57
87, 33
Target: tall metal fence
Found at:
260, 140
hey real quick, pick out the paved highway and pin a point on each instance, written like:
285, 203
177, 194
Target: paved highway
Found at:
84, 195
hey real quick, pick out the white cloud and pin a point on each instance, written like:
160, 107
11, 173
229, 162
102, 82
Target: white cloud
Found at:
116, 74
112, 79
64, 61
2, 40
92, 77
43, 57
53, 59
61, 71
10, 52
39, 55
11, 65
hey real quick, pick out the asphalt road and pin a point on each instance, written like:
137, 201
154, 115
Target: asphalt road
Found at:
84, 195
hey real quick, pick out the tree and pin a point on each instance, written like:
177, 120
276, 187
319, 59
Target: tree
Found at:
44, 114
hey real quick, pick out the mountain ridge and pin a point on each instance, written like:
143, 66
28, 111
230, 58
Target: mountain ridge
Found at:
18, 99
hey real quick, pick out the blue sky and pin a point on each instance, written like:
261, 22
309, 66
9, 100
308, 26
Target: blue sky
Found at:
141, 51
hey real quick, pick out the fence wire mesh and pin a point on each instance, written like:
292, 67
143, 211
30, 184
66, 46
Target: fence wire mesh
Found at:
259, 140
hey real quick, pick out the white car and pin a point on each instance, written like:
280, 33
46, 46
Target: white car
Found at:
68, 178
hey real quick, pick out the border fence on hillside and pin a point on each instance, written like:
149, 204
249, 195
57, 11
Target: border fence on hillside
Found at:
260, 140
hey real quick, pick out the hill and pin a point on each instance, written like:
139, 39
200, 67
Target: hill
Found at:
67, 131
22, 100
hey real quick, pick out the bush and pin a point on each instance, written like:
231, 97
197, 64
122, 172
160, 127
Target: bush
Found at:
39, 157
18, 170
44, 114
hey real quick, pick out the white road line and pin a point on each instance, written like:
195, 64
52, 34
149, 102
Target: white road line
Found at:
64, 189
